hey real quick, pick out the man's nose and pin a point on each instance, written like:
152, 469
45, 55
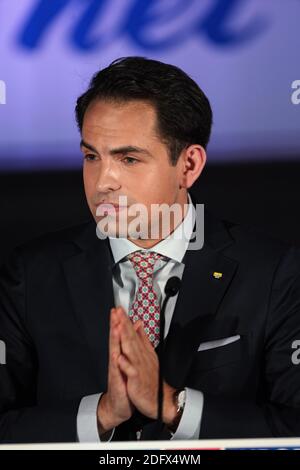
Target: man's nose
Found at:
108, 178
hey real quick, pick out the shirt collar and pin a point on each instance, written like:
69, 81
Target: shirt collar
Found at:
173, 247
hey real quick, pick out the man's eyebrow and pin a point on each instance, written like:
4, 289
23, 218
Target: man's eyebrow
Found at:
129, 149
88, 146
119, 150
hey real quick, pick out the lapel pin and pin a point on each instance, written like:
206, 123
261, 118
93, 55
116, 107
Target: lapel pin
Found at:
217, 275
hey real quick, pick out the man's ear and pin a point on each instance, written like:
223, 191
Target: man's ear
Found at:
193, 162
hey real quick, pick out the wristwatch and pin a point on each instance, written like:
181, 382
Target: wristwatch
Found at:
180, 398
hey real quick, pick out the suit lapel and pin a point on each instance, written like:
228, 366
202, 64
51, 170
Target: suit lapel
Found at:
89, 278
198, 300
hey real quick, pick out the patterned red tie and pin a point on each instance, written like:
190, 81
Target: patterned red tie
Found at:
145, 305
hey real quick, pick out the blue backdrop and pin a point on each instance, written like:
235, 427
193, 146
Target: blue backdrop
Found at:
243, 53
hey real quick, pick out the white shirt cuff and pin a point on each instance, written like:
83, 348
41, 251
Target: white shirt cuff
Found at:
87, 426
190, 422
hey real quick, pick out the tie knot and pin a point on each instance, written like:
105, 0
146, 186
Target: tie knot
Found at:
143, 263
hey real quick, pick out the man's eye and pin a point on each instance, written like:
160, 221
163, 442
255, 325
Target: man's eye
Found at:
130, 160
89, 157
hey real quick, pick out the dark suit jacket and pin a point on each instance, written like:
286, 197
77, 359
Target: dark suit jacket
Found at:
55, 298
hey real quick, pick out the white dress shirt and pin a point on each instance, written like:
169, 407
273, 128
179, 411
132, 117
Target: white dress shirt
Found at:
125, 285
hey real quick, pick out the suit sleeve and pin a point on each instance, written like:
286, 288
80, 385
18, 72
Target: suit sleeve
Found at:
22, 418
278, 414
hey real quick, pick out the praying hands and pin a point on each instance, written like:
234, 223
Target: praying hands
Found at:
132, 376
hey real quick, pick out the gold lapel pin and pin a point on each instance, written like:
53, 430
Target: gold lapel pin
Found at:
217, 275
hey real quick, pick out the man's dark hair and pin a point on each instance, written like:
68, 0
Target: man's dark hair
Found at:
184, 115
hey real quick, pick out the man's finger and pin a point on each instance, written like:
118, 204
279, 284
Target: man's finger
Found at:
122, 316
143, 335
131, 345
137, 324
114, 348
113, 343
126, 367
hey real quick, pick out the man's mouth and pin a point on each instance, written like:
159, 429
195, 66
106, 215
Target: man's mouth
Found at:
108, 208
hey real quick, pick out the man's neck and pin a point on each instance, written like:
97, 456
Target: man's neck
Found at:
149, 243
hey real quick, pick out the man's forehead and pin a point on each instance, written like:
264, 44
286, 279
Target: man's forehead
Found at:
119, 131
118, 123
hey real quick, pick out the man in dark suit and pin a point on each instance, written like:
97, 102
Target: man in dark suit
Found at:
76, 368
